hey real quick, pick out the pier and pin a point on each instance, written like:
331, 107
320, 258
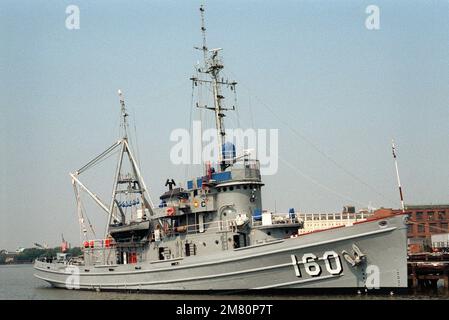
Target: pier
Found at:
426, 269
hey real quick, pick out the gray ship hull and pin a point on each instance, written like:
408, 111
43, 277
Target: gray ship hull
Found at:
311, 261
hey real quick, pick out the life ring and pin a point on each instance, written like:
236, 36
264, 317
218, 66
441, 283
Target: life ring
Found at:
170, 211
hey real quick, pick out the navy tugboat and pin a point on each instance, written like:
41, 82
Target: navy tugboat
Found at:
213, 234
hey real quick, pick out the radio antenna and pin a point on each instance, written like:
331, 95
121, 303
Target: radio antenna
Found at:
397, 174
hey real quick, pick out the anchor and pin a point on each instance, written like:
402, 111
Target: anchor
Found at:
357, 258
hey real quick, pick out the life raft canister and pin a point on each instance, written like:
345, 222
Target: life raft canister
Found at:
170, 211
91, 243
107, 243
86, 244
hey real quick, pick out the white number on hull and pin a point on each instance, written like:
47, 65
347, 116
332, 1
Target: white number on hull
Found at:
311, 267
295, 266
331, 259
328, 255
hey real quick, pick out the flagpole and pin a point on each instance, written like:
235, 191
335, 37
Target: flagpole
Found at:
397, 174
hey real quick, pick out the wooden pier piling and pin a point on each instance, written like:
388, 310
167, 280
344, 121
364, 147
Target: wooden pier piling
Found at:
426, 269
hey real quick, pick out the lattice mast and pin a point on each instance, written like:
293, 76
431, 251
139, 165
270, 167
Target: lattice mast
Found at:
212, 66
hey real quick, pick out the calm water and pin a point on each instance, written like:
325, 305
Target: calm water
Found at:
18, 282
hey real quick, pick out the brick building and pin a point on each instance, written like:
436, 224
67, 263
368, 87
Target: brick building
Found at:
425, 220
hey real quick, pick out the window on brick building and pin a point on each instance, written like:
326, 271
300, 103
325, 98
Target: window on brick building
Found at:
421, 228
441, 215
419, 215
434, 228
444, 227
430, 215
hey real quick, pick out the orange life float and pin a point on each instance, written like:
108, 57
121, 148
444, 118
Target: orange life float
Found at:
170, 211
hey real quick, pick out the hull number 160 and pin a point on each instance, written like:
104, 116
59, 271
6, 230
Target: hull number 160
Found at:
310, 264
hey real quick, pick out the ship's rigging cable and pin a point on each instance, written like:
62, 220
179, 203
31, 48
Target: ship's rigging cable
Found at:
135, 142
98, 158
99, 161
423, 223
91, 227
187, 167
314, 146
251, 114
82, 214
329, 189
296, 169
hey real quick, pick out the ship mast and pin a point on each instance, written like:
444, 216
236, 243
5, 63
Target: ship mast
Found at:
127, 184
212, 67
129, 189
393, 147
124, 123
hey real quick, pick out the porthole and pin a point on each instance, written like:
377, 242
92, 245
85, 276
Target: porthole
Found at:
383, 223
225, 189
217, 242
231, 188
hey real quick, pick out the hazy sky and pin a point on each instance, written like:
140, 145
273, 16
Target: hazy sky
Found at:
332, 84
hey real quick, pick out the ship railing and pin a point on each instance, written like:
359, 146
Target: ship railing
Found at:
246, 169
275, 219
98, 243
214, 226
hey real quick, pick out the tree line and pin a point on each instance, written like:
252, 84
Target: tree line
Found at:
30, 254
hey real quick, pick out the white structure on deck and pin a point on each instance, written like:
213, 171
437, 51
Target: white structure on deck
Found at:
320, 221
